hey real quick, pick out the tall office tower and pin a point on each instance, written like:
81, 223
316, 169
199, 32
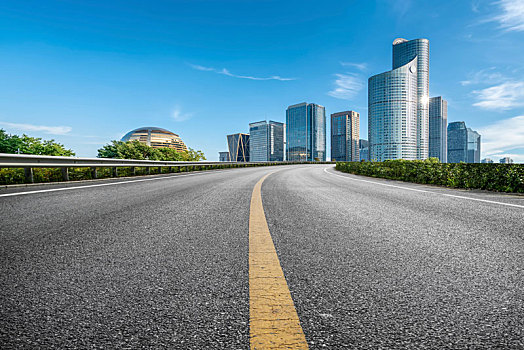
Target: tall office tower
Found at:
363, 146
392, 114
404, 52
438, 128
238, 146
306, 132
463, 144
276, 135
266, 141
473, 146
345, 134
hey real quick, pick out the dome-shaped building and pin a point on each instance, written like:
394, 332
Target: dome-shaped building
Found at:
156, 138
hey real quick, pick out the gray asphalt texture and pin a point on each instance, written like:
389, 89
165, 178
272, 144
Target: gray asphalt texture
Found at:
164, 263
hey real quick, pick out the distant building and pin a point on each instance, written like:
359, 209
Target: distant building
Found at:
363, 146
266, 141
223, 156
438, 128
487, 161
506, 160
238, 146
463, 144
156, 138
345, 134
305, 132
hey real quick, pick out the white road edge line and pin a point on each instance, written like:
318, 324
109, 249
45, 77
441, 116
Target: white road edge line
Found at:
106, 184
417, 190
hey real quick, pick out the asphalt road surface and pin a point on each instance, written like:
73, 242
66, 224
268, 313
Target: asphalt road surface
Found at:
163, 263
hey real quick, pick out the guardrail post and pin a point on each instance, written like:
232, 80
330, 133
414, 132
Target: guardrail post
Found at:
94, 173
28, 172
65, 173
148, 170
115, 171
133, 170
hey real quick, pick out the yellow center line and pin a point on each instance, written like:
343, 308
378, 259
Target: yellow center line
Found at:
273, 319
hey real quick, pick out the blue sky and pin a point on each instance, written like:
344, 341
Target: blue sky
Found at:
87, 72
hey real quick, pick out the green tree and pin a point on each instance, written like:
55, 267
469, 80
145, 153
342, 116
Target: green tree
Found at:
31, 145
139, 151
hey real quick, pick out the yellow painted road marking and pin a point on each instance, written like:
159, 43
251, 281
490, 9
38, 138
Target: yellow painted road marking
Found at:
273, 319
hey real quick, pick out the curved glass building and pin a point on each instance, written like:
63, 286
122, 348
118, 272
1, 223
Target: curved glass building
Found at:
405, 51
398, 104
392, 108
156, 138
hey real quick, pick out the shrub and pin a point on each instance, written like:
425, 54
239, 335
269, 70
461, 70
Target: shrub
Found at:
493, 177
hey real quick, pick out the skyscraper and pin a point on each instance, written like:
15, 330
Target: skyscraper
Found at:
398, 116
363, 146
392, 114
405, 51
305, 132
463, 144
266, 141
345, 134
238, 146
438, 128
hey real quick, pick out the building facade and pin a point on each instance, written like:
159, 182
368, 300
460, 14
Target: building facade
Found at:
487, 161
398, 104
266, 141
156, 138
238, 147
404, 51
305, 132
506, 160
392, 114
223, 156
463, 144
345, 133
438, 128
363, 146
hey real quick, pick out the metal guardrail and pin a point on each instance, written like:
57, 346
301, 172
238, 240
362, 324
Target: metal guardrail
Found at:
29, 161
35, 161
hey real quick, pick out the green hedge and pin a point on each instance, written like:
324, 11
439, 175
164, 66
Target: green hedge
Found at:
9, 176
493, 177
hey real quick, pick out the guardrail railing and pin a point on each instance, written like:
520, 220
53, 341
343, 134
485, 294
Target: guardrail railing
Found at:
29, 161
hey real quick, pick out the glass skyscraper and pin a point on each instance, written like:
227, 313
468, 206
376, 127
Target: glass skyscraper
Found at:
398, 115
392, 114
405, 51
306, 132
345, 134
463, 144
238, 146
266, 141
438, 128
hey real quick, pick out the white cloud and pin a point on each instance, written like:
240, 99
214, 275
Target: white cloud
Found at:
346, 86
178, 116
52, 130
484, 76
503, 96
511, 17
224, 71
360, 66
503, 137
